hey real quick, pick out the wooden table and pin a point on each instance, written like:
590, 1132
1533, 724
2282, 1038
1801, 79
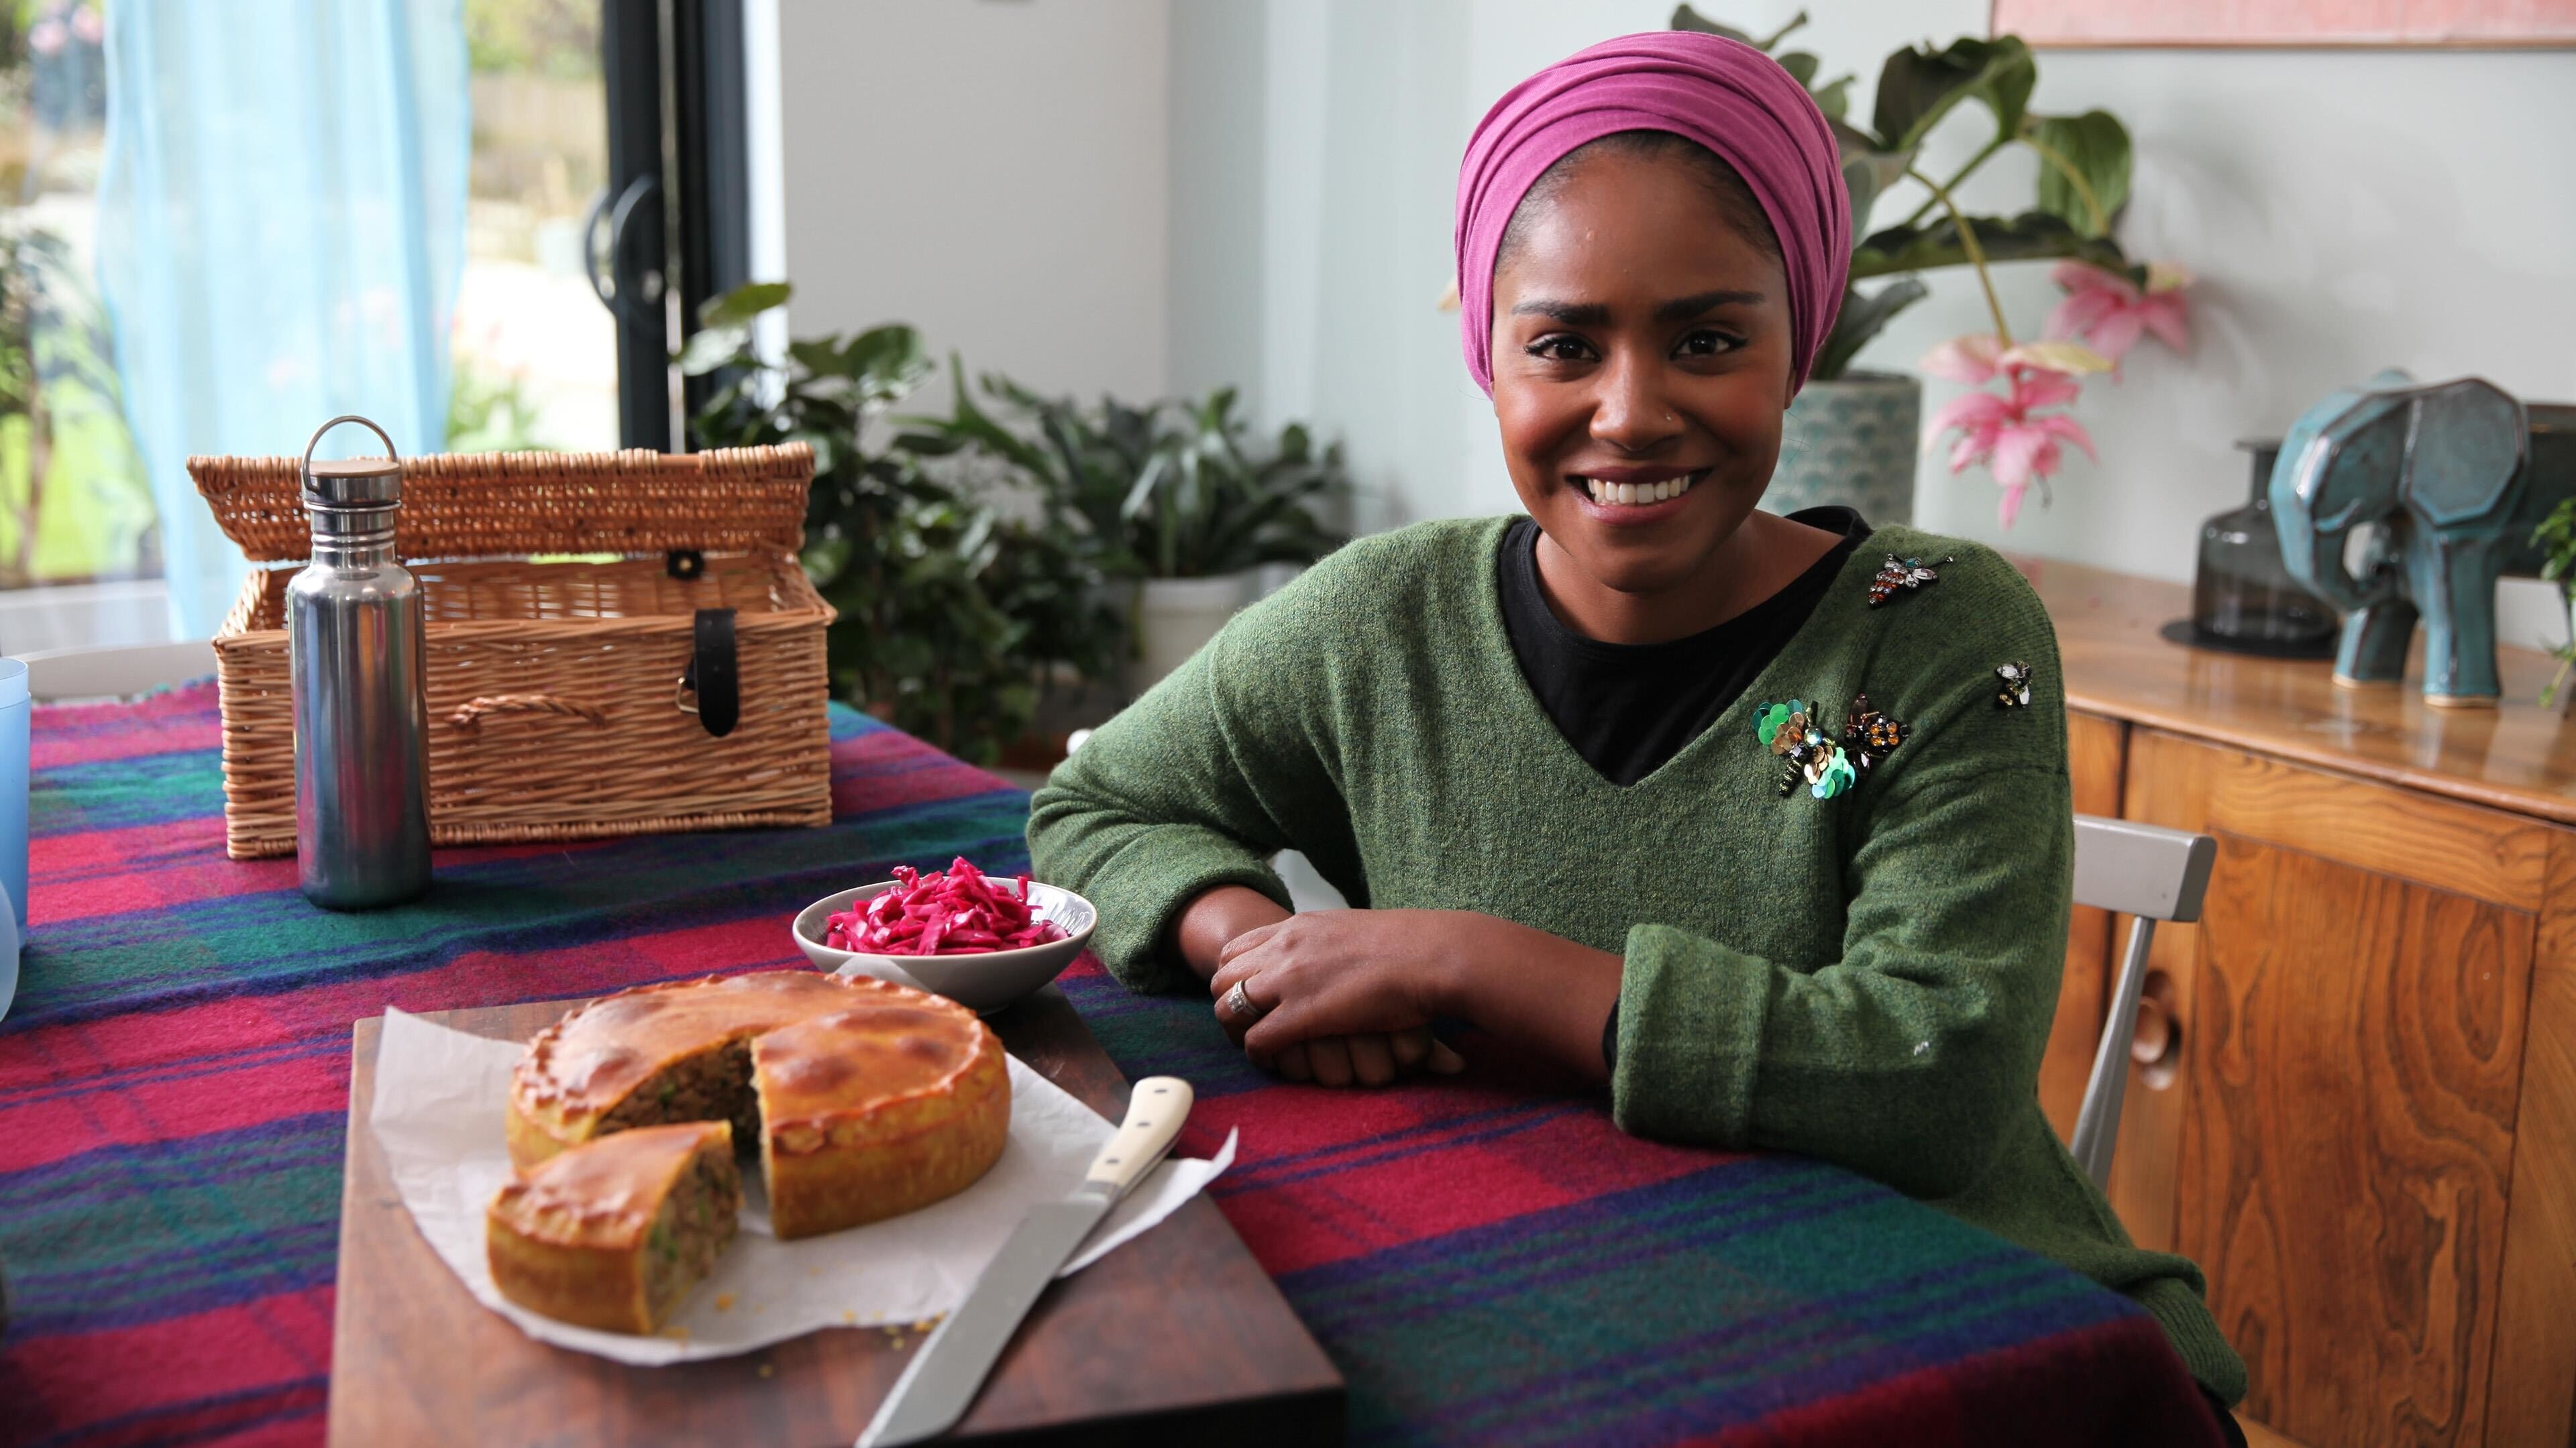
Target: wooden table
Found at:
2363, 1125
1205, 1349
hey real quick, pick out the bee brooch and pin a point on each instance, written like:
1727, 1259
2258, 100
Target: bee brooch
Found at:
1809, 756
2015, 694
1905, 573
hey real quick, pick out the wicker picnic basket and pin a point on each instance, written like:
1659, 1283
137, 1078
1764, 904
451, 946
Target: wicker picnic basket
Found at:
555, 702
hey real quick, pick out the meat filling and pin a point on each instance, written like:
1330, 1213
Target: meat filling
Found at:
710, 1086
695, 1223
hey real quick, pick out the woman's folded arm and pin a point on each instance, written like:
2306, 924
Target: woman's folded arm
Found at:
1908, 1058
1159, 807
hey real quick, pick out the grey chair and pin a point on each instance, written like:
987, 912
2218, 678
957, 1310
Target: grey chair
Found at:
116, 671
2153, 874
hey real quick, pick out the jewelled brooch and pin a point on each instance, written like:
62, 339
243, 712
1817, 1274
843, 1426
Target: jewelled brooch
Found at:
1868, 735
2015, 694
1809, 756
1905, 573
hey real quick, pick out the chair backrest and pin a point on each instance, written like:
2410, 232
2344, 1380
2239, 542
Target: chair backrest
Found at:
112, 673
2135, 869
2152, 873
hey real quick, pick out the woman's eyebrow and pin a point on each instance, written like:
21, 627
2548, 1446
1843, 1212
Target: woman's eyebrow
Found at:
1683, 308
1572, 314
1594, 314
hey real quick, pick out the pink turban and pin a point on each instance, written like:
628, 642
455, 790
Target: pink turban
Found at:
1722, 93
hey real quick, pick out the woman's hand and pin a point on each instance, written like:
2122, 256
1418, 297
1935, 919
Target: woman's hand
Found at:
1368, 1059
1341, 973
1371, 1058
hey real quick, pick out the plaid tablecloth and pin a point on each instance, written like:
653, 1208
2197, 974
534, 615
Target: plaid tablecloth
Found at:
1488, 1261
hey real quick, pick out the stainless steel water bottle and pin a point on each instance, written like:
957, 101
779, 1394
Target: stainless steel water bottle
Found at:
353, 642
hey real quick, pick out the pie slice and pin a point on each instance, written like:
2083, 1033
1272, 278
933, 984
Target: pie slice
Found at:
613, 1233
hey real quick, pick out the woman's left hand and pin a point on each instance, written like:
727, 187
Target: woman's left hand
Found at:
1355, 972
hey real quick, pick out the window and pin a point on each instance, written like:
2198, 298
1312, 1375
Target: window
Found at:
74, 507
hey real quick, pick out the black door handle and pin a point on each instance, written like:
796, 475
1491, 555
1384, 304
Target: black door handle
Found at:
620, 289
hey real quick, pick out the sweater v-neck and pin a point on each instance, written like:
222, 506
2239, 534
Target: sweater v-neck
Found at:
1627, 708
1775, 681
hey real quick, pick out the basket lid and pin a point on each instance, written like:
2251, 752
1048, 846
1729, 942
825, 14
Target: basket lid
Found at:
488, 505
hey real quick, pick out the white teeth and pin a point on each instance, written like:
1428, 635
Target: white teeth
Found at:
1636, 494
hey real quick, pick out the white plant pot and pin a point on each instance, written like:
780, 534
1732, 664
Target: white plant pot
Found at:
1175, 617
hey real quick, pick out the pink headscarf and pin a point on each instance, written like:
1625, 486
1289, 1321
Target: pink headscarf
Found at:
1722, 93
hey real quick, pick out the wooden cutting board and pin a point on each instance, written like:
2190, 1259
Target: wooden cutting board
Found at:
1178, 1336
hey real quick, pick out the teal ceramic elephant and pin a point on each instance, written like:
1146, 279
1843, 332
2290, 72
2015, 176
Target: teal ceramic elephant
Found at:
2454, 476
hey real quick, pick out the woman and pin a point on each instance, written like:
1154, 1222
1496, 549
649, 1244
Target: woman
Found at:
1651, 783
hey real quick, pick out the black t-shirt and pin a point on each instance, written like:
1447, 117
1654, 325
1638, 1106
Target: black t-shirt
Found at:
1626, 708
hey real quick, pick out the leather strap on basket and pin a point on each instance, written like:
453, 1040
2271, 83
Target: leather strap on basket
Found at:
712, 687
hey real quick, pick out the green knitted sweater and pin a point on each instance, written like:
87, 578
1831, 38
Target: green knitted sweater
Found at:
1868, 979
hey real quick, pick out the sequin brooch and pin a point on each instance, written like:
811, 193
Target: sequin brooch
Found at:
2015, 694
1905, 573
1811, 757
1868, 735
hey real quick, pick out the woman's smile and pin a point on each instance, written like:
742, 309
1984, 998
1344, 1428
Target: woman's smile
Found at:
1628, 497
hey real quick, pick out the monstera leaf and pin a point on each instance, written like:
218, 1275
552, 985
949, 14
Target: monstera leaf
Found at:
1685, 18
1920, 86
1861, 319
2092, 148
2031, 236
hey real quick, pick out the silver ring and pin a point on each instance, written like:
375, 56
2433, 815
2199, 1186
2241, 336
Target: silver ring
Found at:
1240, 1006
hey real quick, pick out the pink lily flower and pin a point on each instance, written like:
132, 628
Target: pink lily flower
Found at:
2010, 433
2108, 310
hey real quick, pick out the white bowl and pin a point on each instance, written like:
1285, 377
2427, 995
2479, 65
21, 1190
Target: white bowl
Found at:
983, 982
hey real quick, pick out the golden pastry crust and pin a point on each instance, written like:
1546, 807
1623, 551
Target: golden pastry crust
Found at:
873, 1099
612, 1234
877, 1110
580, 1070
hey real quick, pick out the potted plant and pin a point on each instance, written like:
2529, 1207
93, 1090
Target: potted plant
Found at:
1172, 497
1851, 436
957, 610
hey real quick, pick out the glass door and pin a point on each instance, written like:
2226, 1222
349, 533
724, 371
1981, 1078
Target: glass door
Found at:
76, 517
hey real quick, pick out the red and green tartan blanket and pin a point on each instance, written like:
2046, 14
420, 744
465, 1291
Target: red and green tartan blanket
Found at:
1489, 1261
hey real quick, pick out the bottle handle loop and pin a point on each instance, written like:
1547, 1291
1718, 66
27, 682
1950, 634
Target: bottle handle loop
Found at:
304, 470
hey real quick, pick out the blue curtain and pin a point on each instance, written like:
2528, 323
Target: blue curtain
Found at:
281, 228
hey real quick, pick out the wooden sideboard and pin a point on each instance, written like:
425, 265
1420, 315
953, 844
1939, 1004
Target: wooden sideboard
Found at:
2360, 1115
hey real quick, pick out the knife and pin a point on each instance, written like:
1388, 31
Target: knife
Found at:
940, 1382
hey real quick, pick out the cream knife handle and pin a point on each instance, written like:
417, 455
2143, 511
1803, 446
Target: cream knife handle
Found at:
1155, 1111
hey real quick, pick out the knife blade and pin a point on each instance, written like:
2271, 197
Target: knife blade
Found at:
945, 1373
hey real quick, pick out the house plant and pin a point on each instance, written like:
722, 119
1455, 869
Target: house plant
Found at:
957, 610
2556, 537
1851, 435
1172, 497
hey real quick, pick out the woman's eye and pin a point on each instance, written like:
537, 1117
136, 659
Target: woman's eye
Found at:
1707, 342
1561, 349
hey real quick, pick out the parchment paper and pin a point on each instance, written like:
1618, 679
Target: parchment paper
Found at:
440, 1100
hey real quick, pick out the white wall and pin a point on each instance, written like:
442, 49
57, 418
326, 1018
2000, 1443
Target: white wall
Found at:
992, 171
2345, 210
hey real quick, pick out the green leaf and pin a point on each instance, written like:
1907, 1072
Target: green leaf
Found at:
742, 303
1795, 22
1860, 182
1859, 148
1835, 99
2033, 235
2094, 146
714, 347
1801, 67
1919, 86
1685, 18
1862, 318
